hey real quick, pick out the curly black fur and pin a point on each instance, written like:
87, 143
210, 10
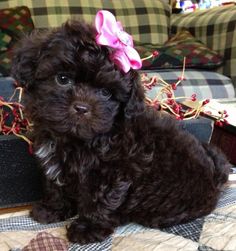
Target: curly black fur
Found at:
105, 155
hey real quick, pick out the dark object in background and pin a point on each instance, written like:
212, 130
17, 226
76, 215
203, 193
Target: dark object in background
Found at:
20, 179
176, 10
200, 127
225, 138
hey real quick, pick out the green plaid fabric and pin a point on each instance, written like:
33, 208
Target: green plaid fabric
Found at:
216, 28
13, 23
5, 40
183, 45
147, 20
16, 20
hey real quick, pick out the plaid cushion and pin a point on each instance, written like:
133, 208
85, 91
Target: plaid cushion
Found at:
205, 84
14, 22
172, 54
17, 20
215, 28
5, 62
147, 21
5, 40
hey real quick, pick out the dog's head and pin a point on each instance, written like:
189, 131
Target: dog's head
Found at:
71, 85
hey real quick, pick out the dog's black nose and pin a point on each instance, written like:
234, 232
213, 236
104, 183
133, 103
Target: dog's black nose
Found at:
80, 109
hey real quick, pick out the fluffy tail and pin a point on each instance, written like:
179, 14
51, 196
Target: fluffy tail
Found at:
222, 165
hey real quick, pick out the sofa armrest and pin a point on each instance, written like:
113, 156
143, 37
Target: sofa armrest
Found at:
216, 28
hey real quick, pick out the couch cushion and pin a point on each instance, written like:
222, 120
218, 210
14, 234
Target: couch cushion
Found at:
6, 42
205, 84
146, 21
182, 45
215, 27
5, 62
17, 20
14, 22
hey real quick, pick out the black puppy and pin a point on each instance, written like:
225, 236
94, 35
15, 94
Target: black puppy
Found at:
107, 156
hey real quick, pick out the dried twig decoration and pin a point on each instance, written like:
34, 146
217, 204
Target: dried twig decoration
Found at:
165, 98
12, 120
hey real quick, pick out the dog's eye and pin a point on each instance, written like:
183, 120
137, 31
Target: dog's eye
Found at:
104, 92
63, 79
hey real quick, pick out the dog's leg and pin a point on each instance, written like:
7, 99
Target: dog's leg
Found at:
54, 206
100, 216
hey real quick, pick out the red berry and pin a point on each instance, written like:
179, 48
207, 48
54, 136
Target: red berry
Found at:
176, 108
170, 101
17, 129
174, 86
155, 54
194, 97
205, 101
169, 95
219, 123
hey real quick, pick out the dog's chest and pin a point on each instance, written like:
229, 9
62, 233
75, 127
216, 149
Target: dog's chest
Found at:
62, 162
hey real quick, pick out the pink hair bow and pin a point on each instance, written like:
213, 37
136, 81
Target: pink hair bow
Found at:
111, 33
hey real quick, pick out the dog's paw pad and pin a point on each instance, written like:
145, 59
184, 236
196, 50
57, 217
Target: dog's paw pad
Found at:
83, 231
44, 215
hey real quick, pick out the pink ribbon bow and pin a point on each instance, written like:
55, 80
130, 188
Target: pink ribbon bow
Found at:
111, 33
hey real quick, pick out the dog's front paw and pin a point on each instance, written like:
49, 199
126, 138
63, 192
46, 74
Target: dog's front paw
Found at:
84, 231
43, 214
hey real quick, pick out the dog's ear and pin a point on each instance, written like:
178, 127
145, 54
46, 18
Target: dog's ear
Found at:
135, 104
24, 61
